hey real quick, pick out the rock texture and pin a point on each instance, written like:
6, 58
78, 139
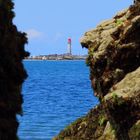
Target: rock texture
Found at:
12, 73
114, 61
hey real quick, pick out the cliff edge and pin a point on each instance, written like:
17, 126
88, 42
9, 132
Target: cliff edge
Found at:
114, 61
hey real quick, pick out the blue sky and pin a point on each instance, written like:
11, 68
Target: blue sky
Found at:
49, 23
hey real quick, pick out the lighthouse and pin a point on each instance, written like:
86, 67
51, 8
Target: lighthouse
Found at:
69, 46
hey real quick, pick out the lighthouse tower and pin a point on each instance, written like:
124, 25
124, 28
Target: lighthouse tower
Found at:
69, 46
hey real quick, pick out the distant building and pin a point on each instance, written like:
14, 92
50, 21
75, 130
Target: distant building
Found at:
69, 46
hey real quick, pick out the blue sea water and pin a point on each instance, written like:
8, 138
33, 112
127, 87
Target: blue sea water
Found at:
55, 94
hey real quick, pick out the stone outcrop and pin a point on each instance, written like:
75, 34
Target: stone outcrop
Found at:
114, 61
12, 73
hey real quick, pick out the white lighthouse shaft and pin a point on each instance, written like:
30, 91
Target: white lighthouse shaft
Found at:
69, 47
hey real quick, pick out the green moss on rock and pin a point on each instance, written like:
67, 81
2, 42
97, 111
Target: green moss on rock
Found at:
88, 127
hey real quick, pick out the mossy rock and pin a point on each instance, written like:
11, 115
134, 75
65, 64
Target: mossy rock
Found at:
134, 132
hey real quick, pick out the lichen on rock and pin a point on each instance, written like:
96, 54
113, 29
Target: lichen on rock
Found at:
12, 72
114, 62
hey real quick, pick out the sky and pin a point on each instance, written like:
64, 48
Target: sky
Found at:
49, 23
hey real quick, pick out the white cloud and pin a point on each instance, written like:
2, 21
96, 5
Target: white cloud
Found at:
57, 36
33, 34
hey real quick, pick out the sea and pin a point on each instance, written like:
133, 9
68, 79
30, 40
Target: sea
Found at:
55, 94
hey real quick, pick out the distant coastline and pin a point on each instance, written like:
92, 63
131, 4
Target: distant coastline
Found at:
57, 57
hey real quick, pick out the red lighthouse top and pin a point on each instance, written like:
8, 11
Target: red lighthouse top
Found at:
69, 40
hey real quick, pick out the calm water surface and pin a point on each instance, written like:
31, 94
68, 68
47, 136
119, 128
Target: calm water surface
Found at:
55, 94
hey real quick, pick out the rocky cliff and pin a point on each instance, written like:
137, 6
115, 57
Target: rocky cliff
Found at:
114, 60
12, 73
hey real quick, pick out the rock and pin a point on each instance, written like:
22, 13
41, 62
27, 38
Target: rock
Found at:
124, 98
121, 13
129, 87
108, 133
134, 132
114, 62
12, 72
89, 127
106, 23
108, 52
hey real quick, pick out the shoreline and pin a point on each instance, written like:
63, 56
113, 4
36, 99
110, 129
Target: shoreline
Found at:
57, 57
